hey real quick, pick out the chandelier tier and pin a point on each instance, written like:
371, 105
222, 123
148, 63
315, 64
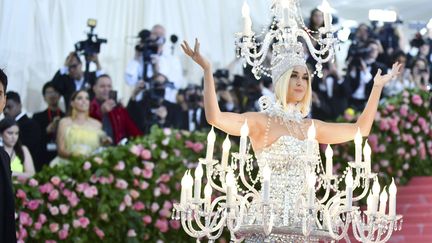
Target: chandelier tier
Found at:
286, 30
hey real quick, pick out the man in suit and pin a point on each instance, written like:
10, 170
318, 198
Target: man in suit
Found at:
7, 202
30, 134
71, 78
48, 122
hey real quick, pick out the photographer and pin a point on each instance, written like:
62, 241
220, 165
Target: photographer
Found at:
152, 56
153, 108
223, 90
361, 64
48, 121
191, 101
115, 120
70, 77
420, 74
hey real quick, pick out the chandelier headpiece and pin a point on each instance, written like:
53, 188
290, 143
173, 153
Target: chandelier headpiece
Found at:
288, 57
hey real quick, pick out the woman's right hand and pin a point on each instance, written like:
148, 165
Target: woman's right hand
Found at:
195, 54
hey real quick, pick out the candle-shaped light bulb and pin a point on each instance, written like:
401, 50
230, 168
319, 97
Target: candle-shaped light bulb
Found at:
311, 132
349, 189
247, 22
369, 202
226, 146
183, 189
244, 132
326, 9
311, 180
376, 187
207, 195
188, 185
230, 187
358, 146
211, 137
329, 160
383, 201
197, 184
392, 202
367, 157
266, 183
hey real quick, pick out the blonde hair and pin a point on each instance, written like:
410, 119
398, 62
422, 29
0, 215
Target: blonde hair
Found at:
281, 88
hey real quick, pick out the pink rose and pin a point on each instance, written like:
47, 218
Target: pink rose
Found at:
197, 147
90, 192
98, 160
80, 212
67, 192
84, 222
164, 189
165, 142
165, 213
147, 174
162, 225
147, 219
136, 171
127, 200
63, 234
64, 209
156, 192
167, 131
21, 194
25, 219
121, 184
122, 207
136, 150
42, 218
144, 185
146, 154
22, 234
163, 154
164, 178
53, 195
131, 233
403, 110
167, 205
32, 182
417, 100
33, 204
87, 165
76, 223
54, 210
54, 227
55, 180
99, 232
148, 165
37, 226
73, 199
154, 207
134, 194
177, 152
175, 224
138, 206
120, 166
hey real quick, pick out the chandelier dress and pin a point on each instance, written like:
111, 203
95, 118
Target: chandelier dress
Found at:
284, 156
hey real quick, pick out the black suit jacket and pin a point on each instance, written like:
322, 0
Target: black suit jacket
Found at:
202, 122
7, 200
30, 136
354, 83
65, 85
43, 120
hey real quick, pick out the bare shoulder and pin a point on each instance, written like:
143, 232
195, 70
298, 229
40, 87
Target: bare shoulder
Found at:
65, 121
95, 123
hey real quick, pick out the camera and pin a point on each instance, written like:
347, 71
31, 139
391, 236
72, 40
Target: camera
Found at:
92, 44
148, 45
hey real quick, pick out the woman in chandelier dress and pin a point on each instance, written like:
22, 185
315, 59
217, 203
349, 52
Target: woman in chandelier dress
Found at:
278, 134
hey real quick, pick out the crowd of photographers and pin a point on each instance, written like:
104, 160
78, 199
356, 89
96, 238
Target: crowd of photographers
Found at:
162, 96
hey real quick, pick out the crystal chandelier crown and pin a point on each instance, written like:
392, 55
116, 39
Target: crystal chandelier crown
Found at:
286, 59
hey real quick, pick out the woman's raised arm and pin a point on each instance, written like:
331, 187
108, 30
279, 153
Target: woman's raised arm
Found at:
226, 121
331, 133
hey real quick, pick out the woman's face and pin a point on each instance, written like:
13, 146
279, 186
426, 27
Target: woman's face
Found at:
317, 18
81, 102
298, 84
10, 136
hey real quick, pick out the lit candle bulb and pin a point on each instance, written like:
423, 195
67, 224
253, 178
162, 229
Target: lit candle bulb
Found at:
207, 195
376, 191
266, 183
188, 185
285, 17
329, 160
197, 185
311, 139
371, 206
326, 9
367, 157
226, 146
183, 189
229, 185
383, 201
358, 146
244, 132
247, 22
349, 189
311, 180
211, 137
392, 202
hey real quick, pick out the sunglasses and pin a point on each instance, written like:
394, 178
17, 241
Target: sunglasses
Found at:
73, 66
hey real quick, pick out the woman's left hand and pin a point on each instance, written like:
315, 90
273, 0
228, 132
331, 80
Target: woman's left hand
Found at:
381, 80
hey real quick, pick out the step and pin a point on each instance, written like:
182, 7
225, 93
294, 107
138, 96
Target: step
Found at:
414, 199
420, 181
420, 189
413, 208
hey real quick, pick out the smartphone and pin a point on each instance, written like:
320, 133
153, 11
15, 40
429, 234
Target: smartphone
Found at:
113, 95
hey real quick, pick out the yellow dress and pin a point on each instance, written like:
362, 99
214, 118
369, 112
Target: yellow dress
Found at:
17, 165
80, 141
